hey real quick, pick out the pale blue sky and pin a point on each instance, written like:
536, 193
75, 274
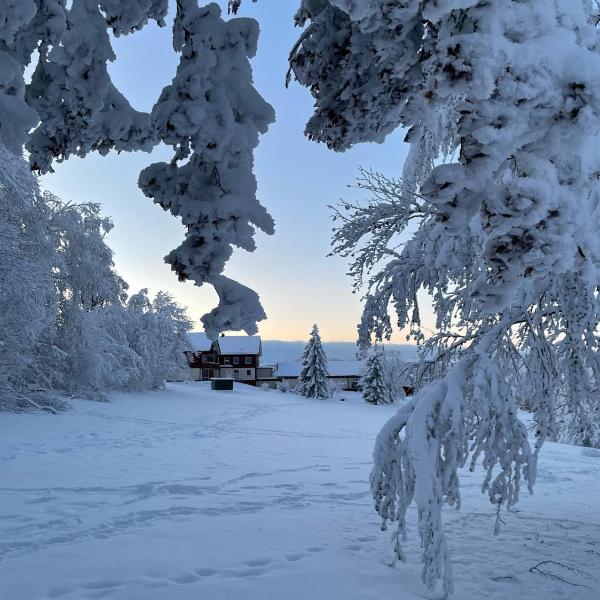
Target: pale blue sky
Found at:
297, 179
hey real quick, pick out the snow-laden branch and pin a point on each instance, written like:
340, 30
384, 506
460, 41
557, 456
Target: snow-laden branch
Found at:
212, 117
500, 229
466, 415
211, 114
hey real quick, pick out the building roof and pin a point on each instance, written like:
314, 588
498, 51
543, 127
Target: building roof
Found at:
198, 341
336, 368
239, 344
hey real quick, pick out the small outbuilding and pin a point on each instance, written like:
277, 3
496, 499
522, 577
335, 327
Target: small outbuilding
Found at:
346, 373
221, 384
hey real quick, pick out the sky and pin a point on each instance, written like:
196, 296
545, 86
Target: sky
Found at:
297, 180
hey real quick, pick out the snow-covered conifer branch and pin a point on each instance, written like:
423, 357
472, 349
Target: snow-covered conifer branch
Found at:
345, 48
214, 130
211, 114
79, 108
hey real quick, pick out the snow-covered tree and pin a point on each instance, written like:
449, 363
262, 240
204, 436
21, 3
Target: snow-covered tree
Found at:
156, 331
313, 382
105, 341
373, 385
64, 322
85, 354
398, 374
495, 216
28, 303
211, 115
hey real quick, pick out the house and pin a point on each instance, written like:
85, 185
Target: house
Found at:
199, 345
235, 356
346, 373
238, 357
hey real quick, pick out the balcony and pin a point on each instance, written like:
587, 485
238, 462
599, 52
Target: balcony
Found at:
210, 361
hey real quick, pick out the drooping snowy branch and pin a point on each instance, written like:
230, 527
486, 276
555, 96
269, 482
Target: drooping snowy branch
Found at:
502, 234
79, 107
358, 59
452, 422
212, 116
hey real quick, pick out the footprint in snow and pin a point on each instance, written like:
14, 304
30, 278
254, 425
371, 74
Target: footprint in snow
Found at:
294, 557
252, 572
258, 562
505, 579
186, 578
205, 572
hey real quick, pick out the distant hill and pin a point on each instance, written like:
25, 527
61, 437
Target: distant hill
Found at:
275, 351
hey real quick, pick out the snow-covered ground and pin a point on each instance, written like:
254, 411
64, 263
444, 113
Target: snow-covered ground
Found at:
189, 494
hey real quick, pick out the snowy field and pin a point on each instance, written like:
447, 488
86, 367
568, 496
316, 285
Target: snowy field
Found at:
191, 494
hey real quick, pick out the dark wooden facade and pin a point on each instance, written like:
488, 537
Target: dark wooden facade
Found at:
212, 363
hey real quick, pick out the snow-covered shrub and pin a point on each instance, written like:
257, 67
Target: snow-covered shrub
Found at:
131, 346
313, 381
286, 386
334, 388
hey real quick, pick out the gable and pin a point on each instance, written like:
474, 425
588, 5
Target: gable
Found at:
198, 341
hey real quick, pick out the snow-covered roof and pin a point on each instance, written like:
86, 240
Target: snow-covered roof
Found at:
336, 368
239, 344
198, 341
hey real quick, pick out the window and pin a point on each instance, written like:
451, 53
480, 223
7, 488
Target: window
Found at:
248, 372
248, 360
236, 360
227, 360
236, 373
